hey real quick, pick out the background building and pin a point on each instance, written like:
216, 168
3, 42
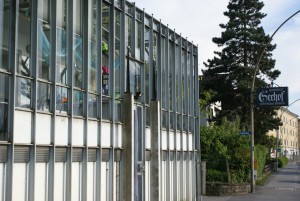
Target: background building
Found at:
98, 101
288, 133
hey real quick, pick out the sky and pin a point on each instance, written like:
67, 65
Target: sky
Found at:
199, 20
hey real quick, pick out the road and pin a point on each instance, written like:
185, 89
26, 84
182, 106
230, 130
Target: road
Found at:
283, 185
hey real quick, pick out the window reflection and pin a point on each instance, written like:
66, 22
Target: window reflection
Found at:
105, 108
135, 77
147, 60
43, 68
23, 97
24, 19
138, 40
105, 50
62, 99
117, 54
92, 106
77, 43
92, 54
43, 96
3, 106
61, 43
4, 37
3, 121
128, 32
164, 73
78, 103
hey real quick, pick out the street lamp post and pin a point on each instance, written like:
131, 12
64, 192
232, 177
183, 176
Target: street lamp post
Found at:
252, 105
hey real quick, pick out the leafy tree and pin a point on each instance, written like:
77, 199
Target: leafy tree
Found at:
222, 145
229, 74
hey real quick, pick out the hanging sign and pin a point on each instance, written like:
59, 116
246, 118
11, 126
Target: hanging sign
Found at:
273, 96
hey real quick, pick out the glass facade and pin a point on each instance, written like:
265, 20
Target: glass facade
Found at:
65, 66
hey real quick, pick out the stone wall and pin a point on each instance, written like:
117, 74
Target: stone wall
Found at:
226, 189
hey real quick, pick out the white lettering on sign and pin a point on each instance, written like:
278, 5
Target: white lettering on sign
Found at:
265, 97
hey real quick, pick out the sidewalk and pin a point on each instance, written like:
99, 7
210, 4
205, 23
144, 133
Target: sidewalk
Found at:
282, 185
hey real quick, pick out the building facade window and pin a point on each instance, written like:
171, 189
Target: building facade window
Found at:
106, 64
66, 73
4, 89
4, 37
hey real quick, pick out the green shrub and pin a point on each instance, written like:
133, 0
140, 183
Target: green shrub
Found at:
260, 157
282, 161
239, 176
216, 176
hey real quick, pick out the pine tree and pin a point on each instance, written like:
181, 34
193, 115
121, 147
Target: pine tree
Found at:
231, 70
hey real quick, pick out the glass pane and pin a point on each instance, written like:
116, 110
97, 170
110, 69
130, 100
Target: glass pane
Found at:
184, 99
78, 103
118, 3
3, 88
164, 119
105, 50
105, 108
178, 122
147, 116
164, 72
92, 57
118, 116
23, 67
191, 124
177, 71
43, 96
3, 106
129, 8
77, 43
171, 120
147, 60
155, 52
3, 121
184, 123
61, 43
62, 99
117, 69
23, 97
4, 34
135, 77
128, 32
43, 40
171, 67
138, 40
117, 55
105, 16
92, 107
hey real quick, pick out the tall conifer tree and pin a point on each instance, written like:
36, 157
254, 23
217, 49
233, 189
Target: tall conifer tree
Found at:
231, 70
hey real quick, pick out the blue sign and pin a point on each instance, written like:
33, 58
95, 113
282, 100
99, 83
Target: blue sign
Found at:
244, 133
273, 96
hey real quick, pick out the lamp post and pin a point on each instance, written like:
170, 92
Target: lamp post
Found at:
251, 101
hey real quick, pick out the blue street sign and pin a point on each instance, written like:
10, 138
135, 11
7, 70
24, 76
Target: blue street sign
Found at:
244, 133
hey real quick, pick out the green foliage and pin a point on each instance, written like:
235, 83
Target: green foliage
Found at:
205, 98
239, 176
260, 155
261, 180
229, 74
282, 161
216, 176
223, 142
